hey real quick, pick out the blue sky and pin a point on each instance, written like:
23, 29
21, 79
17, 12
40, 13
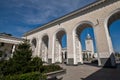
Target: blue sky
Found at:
115, 35
19, 16
82, 36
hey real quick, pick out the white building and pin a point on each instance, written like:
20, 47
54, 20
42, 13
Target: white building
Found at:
98, 15
89, 45
8, 45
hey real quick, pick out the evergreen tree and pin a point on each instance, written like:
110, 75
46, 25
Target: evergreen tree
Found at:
22, 54
20, 62
22, 57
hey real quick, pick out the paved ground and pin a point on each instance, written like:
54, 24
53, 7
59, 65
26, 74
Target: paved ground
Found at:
89, 72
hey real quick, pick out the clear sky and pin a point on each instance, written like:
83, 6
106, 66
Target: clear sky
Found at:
19, 16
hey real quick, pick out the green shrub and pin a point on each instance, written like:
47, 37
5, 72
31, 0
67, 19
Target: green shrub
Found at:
26, 76
50, 68
20, 62
23, 67
36, 63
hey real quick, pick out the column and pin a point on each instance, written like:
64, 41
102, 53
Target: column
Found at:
46, 53
51, 49
60, 53
70, 49
103, 46
56, 53
78, 52
13, 49
38, 47
43, 51
63, 56
33, 49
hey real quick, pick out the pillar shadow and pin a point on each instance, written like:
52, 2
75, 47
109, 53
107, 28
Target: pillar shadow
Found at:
106, 62
110, 62
93, 63
105, 73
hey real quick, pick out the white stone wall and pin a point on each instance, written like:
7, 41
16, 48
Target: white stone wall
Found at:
97, 19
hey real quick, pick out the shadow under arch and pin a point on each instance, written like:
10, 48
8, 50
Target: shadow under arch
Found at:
83, 22
45, 39
34, 42
34, 46
59, 29
44, 48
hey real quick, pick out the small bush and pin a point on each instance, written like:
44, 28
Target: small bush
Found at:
36, 63
50, 68
26, 76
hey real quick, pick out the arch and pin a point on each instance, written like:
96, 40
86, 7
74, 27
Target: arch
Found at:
45, 39
58, 44
34, 46
45, 34
34, 42
86, 25
108, 20
110, 15
81, 23
60, 29
77, 46
106, 23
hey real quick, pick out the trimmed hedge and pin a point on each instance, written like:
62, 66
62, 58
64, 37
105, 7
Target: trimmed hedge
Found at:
33, 75
50, 68
26, 76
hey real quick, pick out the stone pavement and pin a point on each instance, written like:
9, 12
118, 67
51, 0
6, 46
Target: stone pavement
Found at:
90, 72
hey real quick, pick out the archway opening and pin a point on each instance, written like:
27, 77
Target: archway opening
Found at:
44, 48
114, 31
34, 44
85, 44
61, 47
64, 41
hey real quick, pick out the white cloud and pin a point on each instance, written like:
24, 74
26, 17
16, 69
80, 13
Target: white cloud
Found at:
22, 29
42, 11
38, 11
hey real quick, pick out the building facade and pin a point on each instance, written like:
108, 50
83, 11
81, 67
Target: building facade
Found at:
8, 45
98, 15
